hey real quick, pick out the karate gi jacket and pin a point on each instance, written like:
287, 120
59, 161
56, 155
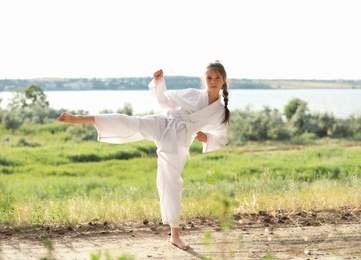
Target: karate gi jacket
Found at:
188, 113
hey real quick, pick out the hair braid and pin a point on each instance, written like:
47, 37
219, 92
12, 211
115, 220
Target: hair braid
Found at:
225, 99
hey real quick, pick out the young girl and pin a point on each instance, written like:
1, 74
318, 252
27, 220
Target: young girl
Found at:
191, 113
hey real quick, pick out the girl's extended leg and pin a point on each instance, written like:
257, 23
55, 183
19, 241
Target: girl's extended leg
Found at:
73, 119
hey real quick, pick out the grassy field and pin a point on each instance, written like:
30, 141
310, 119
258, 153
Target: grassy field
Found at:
48, 175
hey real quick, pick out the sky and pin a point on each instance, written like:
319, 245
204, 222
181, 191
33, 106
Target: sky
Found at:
254, 39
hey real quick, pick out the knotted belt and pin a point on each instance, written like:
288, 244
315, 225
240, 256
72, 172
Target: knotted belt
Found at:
169, 139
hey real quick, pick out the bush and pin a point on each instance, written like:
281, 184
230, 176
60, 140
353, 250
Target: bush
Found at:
6, 162
263, 125
23, 143
300, 126
85, 158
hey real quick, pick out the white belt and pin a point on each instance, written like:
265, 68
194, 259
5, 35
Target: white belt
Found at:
177, 118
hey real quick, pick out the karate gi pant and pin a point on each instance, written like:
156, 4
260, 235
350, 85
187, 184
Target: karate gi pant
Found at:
119, 128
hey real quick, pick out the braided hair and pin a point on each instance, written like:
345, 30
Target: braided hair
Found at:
219, 68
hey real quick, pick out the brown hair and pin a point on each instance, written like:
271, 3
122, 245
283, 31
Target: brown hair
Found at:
219, 67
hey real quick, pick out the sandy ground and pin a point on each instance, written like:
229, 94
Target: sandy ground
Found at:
334, 234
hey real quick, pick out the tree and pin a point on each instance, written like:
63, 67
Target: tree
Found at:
30, 105
300, 119
291, 108
35, 97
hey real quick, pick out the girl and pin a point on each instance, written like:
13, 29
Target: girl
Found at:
191, 113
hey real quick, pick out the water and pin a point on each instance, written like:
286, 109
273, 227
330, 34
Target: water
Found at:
340, 102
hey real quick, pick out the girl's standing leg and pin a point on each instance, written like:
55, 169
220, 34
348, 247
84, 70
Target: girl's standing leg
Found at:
170, 185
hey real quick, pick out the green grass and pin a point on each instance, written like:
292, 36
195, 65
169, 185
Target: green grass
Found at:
48, 175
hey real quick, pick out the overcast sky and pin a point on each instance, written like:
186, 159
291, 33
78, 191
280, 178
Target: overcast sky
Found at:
269, 39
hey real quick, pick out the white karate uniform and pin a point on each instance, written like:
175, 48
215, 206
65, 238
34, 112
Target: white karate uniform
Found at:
188, 113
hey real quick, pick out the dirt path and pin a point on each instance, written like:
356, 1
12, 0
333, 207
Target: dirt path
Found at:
302, 235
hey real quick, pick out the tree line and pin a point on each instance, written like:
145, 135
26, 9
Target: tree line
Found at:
130, 83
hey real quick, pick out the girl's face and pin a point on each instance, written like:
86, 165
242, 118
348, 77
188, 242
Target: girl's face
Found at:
214, 80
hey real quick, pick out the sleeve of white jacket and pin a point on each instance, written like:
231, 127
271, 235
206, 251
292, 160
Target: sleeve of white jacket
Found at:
159, 91
215, 139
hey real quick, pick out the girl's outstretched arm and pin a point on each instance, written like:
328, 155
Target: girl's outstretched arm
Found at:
74, 119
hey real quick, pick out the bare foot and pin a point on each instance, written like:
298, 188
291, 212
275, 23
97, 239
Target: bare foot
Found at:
179, 243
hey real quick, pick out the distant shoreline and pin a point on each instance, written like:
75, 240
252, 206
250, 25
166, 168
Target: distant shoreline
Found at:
173, 82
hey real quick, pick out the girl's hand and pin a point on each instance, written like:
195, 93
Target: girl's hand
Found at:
202, 137
157, 76
68, 118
